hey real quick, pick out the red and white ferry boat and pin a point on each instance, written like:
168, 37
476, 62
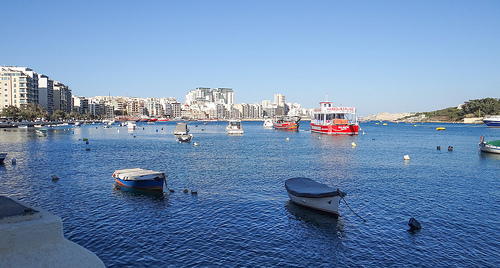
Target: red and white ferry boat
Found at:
287, 123
332, 120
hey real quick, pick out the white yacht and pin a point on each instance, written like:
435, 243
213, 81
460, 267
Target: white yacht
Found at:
234, 127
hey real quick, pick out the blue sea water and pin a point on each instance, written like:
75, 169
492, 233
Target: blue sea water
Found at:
242, 216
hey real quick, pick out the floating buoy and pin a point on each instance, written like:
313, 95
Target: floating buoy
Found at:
85, 139
195, 144
171, 190
55, 131
414, 125
414, 224
118, 131
13, 161
450, 148
55, 178
157, 130
439, 147
440, 128
373, 139
194, 191
353, 144
87, 142
88, 149
287, 139
185, 191
406, 157
385, 124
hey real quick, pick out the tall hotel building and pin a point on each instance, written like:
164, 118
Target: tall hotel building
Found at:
19, 86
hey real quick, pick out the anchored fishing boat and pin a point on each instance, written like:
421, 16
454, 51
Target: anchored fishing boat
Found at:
329, 119
287, 123
308, 193
234, 127
181, 133
140, 179
490, 146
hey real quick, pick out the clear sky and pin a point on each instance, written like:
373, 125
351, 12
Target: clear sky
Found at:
379, 56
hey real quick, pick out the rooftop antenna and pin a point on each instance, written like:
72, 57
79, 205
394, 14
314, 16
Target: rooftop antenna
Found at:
327, 97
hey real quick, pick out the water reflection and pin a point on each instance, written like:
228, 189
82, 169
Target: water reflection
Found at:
326, 221
131, 192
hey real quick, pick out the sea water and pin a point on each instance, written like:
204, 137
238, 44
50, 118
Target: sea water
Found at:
242, 215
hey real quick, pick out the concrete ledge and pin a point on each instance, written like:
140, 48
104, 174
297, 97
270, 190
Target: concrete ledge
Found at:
34, 238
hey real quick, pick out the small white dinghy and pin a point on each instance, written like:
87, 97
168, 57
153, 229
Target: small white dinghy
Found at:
308, 193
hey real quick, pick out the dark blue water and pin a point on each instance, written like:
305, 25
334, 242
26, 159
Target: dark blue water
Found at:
242, 215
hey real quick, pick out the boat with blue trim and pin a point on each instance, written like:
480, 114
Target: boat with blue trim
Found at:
140, 179
492, 120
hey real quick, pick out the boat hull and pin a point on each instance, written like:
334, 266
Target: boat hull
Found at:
488, 148
150, 185
286, 126
335, 129
325, 204
235, 132
492, 123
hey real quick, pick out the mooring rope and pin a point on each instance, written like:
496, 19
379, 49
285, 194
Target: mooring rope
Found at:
350, 207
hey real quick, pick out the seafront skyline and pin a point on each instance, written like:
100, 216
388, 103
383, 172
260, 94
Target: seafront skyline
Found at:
388, 56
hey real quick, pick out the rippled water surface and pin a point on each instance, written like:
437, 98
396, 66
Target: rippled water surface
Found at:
242, 215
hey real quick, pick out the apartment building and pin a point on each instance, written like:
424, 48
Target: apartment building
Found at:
46, 93
19, 85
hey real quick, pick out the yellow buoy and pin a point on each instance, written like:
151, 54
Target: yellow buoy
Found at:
440, 128
385, 124
287, 139
85, 139
353, 144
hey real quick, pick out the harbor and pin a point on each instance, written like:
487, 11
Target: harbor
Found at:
242, 215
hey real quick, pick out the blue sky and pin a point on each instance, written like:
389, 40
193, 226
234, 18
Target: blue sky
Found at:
379, 56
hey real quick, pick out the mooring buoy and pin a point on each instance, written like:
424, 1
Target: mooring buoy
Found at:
450, 148
55, 178
406, 157
439, 147
414, 224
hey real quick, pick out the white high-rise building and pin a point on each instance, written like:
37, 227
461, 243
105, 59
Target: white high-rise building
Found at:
19, 85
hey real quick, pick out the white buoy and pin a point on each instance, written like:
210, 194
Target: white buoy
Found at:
195, 144
287, 139
406, 157
353, 144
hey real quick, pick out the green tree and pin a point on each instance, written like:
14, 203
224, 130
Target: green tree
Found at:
485, 106
12, 112
33, 111
59, 115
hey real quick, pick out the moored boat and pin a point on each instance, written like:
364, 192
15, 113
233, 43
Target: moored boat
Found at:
268, 123
234, 127
287, 122
329, 119
489, 146
181, 132
140, 179
308, 193
131, 125
2, 157
492, 121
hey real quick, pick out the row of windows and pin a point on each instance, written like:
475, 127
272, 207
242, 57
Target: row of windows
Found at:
21, 79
